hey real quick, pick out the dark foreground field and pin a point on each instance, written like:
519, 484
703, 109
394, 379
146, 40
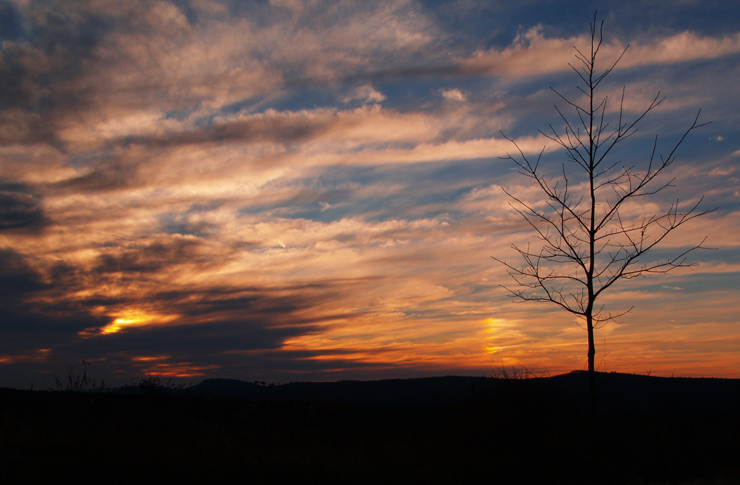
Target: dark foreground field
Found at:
437, 430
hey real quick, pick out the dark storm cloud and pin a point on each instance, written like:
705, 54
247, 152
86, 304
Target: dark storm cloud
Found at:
276, 128
17, 278
26, 327
213, 323
20, 208
148, 258
220, 328
248, 332
278, 306
30, 321
27, 289
17, 89
105, 179
234, 334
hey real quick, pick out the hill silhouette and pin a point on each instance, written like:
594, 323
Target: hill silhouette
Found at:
430, 430
616, 390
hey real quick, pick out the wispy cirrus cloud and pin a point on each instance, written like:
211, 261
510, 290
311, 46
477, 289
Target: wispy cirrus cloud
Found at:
534, 54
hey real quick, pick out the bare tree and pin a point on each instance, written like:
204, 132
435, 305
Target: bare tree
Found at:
586, 241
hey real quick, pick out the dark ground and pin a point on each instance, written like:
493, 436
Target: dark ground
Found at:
437, 430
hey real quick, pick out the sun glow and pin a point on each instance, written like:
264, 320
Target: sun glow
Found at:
135, 319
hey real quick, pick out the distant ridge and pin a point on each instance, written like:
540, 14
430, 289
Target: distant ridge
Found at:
628, 391
428, 390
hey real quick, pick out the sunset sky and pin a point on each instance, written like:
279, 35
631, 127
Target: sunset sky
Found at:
295, 190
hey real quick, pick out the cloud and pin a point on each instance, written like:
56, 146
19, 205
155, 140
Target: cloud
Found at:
17, 278
453, 94
365, 94
285, 189
123, 60
20, 208
533, 54
722, 171
683, 47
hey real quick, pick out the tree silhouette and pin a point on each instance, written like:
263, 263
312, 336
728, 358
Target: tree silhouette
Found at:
586, 236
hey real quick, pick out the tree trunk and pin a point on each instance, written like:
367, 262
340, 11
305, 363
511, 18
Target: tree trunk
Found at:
591, 357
